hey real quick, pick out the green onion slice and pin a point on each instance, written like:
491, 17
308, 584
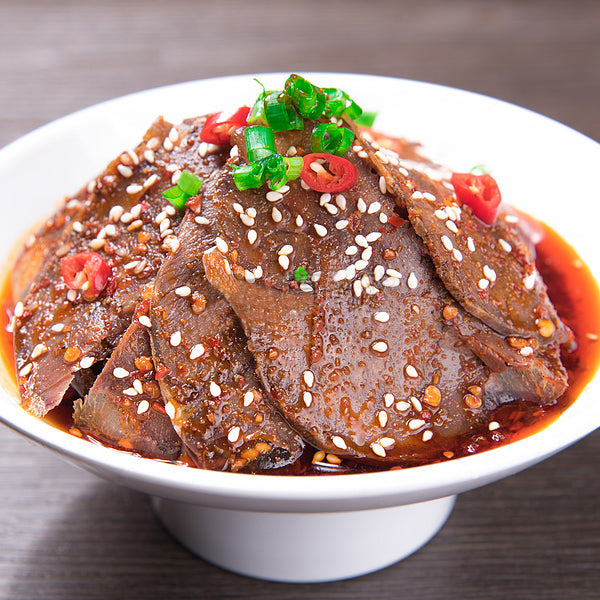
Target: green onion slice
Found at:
260, 142
328, 137
366, 119
339, 103
280, 116
189, 184
294, 166
300, 274
308, 99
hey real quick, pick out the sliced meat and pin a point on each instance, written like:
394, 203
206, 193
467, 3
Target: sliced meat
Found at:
207, 377
124, 407
132, 227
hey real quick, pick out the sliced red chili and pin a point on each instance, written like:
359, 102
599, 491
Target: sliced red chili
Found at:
86, 271
480, 192
325, 172
219, 127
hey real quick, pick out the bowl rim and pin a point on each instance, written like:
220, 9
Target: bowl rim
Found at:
304, 492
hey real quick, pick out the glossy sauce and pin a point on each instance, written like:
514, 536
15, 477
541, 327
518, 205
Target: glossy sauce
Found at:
576, 297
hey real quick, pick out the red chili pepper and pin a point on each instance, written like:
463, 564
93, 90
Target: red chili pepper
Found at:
480, 192
86, 271
219, 127
336, 174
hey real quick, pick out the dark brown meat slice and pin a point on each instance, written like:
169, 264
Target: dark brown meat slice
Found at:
124, 408
490, 270
129, 223
358, 357
216, 404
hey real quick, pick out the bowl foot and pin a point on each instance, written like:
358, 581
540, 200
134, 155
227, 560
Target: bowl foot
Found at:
303, 547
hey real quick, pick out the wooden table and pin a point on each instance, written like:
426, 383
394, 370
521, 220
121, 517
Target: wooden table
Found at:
65, 534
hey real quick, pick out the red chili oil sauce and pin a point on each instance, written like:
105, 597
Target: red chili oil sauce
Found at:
576, 297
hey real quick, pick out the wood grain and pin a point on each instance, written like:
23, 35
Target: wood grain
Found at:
65, 534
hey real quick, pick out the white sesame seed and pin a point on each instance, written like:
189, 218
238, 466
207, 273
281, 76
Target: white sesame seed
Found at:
57, 328
284, 189
251, 212
373, 208
339, 442
315, 276
382, 185
19, 309
447, 242
489, 273
390, 282
309, 378
77, 226
388, 400
457, 254
361, 205
183, 291
304, 287
124, 170
234, 434
526, 351
427, 435
97, 243
411, 371
383, 218
402, 406
339, 275
379, 346
174, 135
307, 398
248, 398
362, 154
221, 245
483, 284
197, 351
175, 339
285, 250
382, 417
320, 229
72, 295
394, 273
133, 188
131, 265
365, 281
412, 281
130, 391
382, 317
170, 410
249, 276
324, 199
237, 207
215, 389
340, 200
276, 215
24, 371
505, 245
247, 220
149, 156
416, 403
252, 236
417, 195
145, 321
331, 209
414, 424
373, 236
258, 272
511, 219
379, 272
357, 288
137, 385
143, 406
234, 152
378, 449
529, 281
341, 224
361, 264
451, 225
86, 362
429, 196
471, 244
168, 144
441, 214
387, 442
284, 262
361, 240
351, 251
371, 290
38, 350
120, 372
493, 425
273, 196
299, 221
382, 156
367, 253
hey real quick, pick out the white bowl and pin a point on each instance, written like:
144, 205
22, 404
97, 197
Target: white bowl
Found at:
244, 522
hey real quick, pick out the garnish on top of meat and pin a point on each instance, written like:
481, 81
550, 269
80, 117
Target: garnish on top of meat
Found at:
321, 289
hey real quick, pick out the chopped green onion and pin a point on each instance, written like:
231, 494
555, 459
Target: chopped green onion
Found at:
260, 142
307, 98
188, 185
366, 119
339, 103
479, 170
280, 116
328, 137
274, 168
294, 166
300, 274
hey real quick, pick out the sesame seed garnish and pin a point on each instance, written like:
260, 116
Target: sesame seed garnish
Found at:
451, 225
339, 442
340, 200
305, 287
416, 403
529, 281
402, 406
373, 236
143, 406
72, 295
483, 284
382, 317
470, 244
367, 253
124, 170
417, 195
447, 242
309, 378
215, 389
237, 207
411, 371
315, 276
387, 442
320, 229
390, 282
429, 196
77, 226
378, 449
427, 435
382, 156
197, 351
56, 328
96, 244
175, 339
493, 425
299, 221
149, 156
361, 264
284, 262
351, 251
324, 199
441, 214
234, 152
378, 272
183, 291
19, 309
505, 245
170, 410
276, 215
379, 346
382, 417
234, 434
86, 362
307, 398
526, 351
339, 275
414, 424
24, 371
168, 144
258, 272
285, 250
457, 254
137, 386
153, 143
361, 205
373, 208
120, 372
365, 281
394, 273
489, 273
412, 281
249, 276
388, 400
38, 350
130, 391
248, 398
221, 245
371, 290
145, 321
247, 220
382, 184
357, 288
341, 224
133, 188
361, 240
383, 218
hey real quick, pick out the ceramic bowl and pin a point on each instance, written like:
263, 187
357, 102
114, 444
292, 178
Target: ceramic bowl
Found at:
366, 521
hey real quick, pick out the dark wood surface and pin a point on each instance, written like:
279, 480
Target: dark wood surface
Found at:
65, 534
